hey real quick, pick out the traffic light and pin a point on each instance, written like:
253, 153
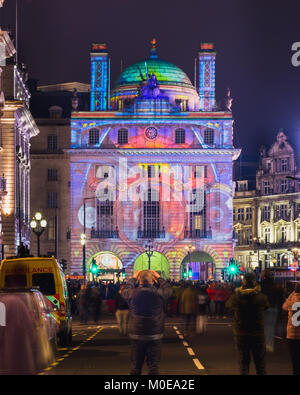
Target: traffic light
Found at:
64, 264
184, 274
223, 274
233, 269
190, 273
94, 267
123, 273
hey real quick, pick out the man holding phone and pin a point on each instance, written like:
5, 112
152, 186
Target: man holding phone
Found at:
146, 294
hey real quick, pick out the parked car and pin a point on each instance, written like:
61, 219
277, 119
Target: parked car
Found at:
28, 331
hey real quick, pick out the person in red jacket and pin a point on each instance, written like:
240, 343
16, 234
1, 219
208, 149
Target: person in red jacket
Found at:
211, 293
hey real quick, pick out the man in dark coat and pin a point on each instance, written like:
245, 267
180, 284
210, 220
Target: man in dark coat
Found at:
248, 305
146, 318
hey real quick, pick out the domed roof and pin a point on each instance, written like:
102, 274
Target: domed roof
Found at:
173, 82
166, 73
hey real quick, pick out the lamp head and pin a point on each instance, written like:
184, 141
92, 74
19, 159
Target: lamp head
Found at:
33, 224
38, 216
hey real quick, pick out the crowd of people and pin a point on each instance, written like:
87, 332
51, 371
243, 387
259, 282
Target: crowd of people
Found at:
255, 308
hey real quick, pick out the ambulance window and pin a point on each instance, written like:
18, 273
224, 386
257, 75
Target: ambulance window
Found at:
45, 282
15, 280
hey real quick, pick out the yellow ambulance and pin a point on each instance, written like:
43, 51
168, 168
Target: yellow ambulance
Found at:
47, 276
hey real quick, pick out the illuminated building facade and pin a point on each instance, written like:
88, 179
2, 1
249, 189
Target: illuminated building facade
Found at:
51, 107
17, 128
267, 218
153, 163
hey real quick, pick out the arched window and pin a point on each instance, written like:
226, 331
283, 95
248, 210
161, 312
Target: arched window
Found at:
122, 136
93, 137
179, 136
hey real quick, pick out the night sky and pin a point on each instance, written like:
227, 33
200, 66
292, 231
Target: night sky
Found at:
253, 40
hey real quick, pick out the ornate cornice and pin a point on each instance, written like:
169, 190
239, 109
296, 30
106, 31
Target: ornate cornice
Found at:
155, 151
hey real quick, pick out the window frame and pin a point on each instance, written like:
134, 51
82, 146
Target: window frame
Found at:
122, 136
179, 136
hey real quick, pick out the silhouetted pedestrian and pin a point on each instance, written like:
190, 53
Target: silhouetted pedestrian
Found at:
248, 305
146, 320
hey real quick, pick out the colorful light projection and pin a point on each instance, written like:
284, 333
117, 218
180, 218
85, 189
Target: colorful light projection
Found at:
99, 78
207, 58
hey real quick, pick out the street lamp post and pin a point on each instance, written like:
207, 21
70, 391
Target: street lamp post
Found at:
83, 236
149, 251
257, 244
38, 225
83, 242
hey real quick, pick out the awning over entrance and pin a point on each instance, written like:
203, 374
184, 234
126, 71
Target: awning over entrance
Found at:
158, 262
198, 256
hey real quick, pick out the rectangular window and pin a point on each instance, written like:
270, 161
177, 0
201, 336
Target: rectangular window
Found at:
266, 188
52, 199
209, 136
199, 172
267, 233
248, 213
45, 282
283, 211
283, 185
179, 136
105, 215
93, 137
52, 174
52, 142
151, 212
122, 136
284, 166
282, 234
240, 214
15, 280
248, 236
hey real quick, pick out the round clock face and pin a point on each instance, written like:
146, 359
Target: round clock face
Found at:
151, 133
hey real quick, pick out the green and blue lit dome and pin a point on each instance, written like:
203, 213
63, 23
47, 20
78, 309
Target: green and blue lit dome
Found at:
173, 82
166, 73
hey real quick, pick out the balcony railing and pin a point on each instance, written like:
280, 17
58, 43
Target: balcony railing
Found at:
151, 233
198, 234
105, 234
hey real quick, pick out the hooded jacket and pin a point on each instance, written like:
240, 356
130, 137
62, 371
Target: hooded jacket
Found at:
293, 325
146, 308
248, 305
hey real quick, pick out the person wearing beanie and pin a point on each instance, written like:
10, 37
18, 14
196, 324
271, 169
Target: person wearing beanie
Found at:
248, 305
146, 302
292, 305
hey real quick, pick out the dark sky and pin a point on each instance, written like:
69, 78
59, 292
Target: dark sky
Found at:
253, 40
